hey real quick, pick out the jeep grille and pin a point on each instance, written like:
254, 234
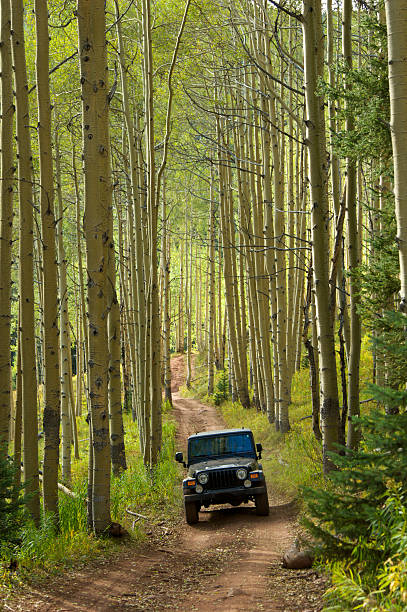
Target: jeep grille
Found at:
222, 479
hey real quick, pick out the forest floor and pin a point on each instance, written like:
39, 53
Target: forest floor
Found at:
230, 560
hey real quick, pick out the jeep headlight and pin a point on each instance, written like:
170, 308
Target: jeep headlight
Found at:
203, 478
241, 473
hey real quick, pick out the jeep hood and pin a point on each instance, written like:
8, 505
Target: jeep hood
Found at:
222, 463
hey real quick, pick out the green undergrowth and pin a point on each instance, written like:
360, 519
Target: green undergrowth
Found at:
289, 461
37, 553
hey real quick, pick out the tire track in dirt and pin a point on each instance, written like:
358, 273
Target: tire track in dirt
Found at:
225, 561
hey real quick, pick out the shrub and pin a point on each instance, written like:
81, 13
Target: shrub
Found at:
11, 503
360, 521
221, 393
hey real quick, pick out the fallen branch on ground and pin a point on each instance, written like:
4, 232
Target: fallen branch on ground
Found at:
136, 514
61, 487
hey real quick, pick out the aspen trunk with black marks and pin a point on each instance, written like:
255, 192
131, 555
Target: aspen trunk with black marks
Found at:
64, 336
135, 229
211, 288
79, 361
315, 135
18, 414
313, 363
232, 304
396, 17
153, 306
282, 420
26, 268
180, 324
165, 267
117, 447
134, 298
188, 301
259, 284
82, 309
353, 433
95, 110
6, 221
51, 416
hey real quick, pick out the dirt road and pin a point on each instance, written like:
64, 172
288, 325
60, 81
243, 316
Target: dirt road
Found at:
229, 561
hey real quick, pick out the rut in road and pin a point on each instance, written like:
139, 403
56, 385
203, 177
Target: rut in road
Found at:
230, 560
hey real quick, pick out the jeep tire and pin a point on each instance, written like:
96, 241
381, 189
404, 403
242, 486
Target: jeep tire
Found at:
191, 512
262, 504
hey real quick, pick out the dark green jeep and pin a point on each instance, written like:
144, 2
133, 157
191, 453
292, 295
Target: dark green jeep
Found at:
223, 468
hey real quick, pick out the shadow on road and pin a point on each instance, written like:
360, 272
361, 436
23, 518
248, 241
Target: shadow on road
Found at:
244, 515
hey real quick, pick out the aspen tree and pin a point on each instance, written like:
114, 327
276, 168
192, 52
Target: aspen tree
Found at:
153, 196
128, 347
18, 414
292, 329
259, 283
79, 231
95, 109
6, 220
26, 280
81, 339
205, 324
396, 17
234, 327
79, 360
129, 290
165, 267
301, 241
221, 325
353, 251
198, 298
135, 228
51, 417
315, 135
153, 389
180, 326
117, 448
211, 288
258, 318
188, 304
282, 421
64, 336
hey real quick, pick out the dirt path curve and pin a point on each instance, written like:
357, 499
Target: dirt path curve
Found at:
229, 561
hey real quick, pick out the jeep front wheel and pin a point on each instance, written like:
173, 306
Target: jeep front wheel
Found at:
262, 504
191, 512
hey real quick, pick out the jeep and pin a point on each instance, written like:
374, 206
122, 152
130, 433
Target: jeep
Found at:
223, 468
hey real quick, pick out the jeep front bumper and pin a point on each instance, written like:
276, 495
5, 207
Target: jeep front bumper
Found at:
222, 496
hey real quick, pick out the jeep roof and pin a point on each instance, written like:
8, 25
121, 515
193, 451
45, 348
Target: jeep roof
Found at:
220, 432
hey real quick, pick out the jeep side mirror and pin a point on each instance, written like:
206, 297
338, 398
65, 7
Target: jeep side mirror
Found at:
179, 457
259, 448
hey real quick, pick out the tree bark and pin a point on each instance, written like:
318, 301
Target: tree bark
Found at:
6, 220
51, 417
396, 17
315, 136
64, 336
353, 433
95, 109
26, 272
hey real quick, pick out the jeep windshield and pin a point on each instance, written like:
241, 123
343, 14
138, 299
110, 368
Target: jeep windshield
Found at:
220, 446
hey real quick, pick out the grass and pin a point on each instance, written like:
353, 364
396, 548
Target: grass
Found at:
156, 494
